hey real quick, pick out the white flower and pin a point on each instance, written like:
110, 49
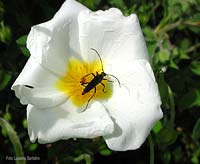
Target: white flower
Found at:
61, 55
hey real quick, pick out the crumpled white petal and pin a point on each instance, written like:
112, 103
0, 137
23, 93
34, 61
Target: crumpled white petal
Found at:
35, 85
112, 35
132, 110
135, 107
63, 123
53, 42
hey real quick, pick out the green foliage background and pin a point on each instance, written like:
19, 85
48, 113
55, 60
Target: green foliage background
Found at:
172, 33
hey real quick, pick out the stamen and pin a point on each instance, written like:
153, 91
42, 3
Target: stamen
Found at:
77, 77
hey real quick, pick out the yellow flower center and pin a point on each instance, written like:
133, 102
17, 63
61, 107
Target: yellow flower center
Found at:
72, 82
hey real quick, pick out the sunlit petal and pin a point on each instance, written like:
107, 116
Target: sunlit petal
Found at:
112, 35
53, 42
35, 85
64, 122
134, 108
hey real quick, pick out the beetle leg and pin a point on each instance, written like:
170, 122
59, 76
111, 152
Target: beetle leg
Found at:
90, 98
84, 84
103, 87
88, 75
82, 81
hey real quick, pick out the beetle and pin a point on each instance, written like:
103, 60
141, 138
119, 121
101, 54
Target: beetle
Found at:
97, 79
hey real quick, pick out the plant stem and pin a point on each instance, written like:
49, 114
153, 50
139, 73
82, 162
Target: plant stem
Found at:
193, 48
86, 157
151, 146
172, 107
167, 27
14, 139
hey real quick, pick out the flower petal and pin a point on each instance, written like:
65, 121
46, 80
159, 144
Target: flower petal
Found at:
35, 85
135, 107
112, 35
64, 122
52, 42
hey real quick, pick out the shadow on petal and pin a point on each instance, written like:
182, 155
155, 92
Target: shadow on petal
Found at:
117, 130
65, 122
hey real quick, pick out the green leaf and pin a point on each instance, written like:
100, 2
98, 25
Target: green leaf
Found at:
105, 152
24, 123
164, 56
14, 139
176, 8
195, 160
172, 64
5, 33
166, 136
195, 67
7, 116
196, 130
149, 35
185, 43
163, 89
195, 17
33, 147
25, 51
178, 154
183, 55
194, 23
119, 4
4, 79
21, 42
167, 157
151, 49
142, 13
130, 10
192, 98
2, 10
157, 127
91, 4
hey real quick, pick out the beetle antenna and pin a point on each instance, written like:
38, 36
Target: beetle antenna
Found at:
99, 58
115, 78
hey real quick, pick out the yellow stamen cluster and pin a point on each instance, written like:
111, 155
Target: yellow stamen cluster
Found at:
70, 83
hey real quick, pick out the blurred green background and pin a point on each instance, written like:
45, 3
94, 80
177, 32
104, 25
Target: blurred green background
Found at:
172, 33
